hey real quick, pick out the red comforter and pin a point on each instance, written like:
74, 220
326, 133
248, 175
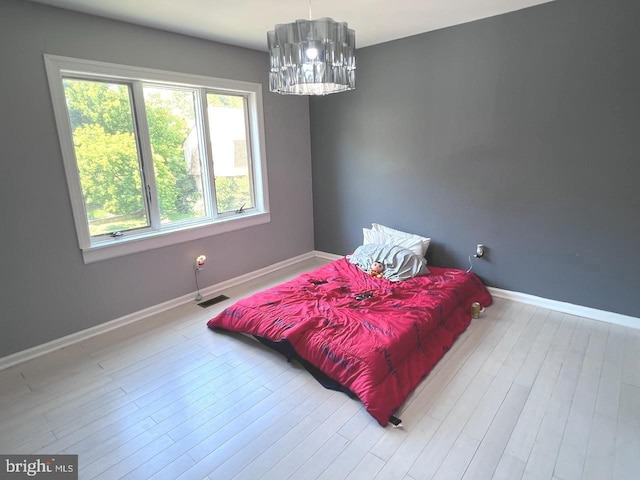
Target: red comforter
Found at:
377, 338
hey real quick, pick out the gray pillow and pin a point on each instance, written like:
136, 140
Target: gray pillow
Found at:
399, 263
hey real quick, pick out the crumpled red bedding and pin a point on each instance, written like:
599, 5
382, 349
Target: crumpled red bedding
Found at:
377, 338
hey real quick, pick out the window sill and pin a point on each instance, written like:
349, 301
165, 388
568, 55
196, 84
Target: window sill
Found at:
138, 243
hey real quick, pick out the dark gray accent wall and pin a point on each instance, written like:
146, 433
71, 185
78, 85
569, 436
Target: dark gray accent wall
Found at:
46, 291
520, 131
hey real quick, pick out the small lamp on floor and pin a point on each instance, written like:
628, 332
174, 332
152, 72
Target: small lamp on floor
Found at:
199, 265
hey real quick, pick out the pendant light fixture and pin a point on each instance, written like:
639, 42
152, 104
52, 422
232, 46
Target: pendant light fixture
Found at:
312, 57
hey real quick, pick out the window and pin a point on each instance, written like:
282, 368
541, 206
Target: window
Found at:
154, 158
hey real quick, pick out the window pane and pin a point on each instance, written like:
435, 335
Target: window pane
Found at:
106, 151
231, 162
175, 141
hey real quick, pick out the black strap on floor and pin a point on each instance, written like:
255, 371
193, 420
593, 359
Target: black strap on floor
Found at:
395, 421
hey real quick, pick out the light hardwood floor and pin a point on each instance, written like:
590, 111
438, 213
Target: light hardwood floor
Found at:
524, 393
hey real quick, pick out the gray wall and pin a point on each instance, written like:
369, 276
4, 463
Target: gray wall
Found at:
46, 290
521, 132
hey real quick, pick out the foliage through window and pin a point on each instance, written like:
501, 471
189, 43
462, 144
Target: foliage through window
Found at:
149, 152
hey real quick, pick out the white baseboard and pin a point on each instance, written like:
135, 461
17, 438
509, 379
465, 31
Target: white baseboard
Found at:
30, 353
327, 256
570, 308
38, 350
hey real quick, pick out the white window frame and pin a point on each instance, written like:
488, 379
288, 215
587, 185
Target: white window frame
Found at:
94, 250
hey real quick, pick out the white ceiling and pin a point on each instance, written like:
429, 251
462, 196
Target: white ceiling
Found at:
246, 22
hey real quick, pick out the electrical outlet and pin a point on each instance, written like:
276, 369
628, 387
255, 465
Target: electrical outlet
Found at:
479, 250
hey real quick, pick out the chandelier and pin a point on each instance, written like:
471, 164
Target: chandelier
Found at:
312, 57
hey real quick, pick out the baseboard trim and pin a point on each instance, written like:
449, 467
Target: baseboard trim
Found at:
30, 353
326, 255
570, 308
66, 341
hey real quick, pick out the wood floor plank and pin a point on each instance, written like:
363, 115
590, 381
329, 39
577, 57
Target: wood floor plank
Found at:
601, 452
490, 450
519, 324
487, 408
156, 468
531, 365
105, 440
452, 392
600, 456
544, 452
30, 444
410, 449
210, 369
458, 458
631, 372
13, 385
139, 457
175, 454
627, 459
367, 469
611, 374
490, 403
353, 454
555, 371
92, 467
484, 410
228, 451
573, 449
75, 407
206, 415
218, 413
40, 400
441, 442
313, 444
17, 429
65, 361
276, 451
313, 467
509, 468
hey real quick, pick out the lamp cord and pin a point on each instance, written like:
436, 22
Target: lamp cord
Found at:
195, 273
310, 17
470, 264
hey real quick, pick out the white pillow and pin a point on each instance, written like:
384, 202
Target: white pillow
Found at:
381, 228
383, 238
399, 263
